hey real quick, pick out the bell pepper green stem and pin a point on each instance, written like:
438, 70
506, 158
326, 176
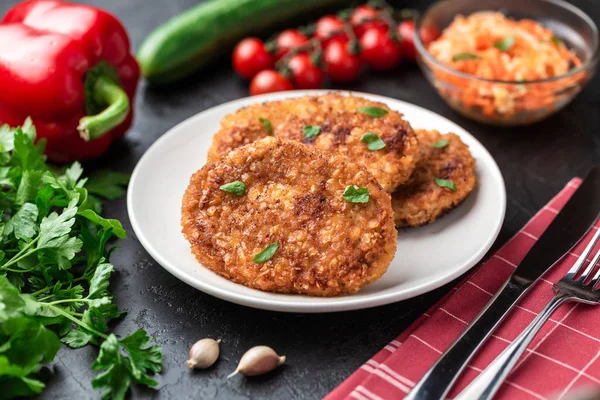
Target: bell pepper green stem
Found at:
105, 91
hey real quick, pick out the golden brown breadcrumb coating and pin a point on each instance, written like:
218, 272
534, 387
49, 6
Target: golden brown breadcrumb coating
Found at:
341, 127
293, 197
422, 200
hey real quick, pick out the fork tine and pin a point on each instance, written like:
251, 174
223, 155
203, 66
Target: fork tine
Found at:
592, 265
583, 257
596, 278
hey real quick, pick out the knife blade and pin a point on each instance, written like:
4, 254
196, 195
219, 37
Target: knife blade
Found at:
568, 227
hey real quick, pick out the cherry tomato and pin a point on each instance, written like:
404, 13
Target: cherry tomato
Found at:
287, 40
250, 57
306, 74
268, 81
428, 34
328, 24
361, 14
379, 51
340, 64
406, 30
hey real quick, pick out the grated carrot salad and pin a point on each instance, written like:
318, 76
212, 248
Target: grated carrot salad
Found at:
492, 46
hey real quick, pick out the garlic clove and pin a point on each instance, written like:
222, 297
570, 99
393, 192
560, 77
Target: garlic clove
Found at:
203, 353
257, 361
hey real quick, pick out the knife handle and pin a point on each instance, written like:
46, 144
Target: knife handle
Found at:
438, 381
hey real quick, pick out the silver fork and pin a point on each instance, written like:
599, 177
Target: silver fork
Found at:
572, 287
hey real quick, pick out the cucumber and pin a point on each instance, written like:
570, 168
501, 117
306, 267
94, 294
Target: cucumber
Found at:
196, 37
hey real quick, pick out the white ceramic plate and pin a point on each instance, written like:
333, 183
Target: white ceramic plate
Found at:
426, 258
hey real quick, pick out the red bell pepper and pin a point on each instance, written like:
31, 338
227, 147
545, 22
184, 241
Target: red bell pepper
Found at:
69, 68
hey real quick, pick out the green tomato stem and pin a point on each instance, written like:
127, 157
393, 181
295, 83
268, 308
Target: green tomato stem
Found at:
105, 91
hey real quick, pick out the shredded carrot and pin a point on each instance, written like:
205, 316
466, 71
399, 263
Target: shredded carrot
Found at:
492, 46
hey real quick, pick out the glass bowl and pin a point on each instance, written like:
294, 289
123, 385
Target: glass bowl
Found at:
503, 102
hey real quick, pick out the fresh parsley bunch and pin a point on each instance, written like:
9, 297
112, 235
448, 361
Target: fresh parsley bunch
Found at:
55, 272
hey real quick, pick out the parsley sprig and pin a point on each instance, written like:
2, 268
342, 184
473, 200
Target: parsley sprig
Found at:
55, 272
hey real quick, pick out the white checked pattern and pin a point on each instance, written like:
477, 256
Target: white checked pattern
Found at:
566, 353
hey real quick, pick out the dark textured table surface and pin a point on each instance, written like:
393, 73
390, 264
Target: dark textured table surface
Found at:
322, 350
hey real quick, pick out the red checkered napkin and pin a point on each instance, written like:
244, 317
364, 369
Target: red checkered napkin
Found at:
564, 355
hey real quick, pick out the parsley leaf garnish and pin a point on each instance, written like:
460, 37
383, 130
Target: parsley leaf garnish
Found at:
55, 271
267, 124
375, 112
110, 185
556, 40
311, 131
266, 254
373, 141
54, 228
355, 194
445, 184
24, 223
236, 187
25, 154
464, 56
76, 338
7, 138
31, 182
505, 44
441, 143
107, 223
121, 369
25, 343
100, 281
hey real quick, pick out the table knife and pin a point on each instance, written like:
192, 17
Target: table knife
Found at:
571, 223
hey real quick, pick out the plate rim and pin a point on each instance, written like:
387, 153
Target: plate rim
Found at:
345, 303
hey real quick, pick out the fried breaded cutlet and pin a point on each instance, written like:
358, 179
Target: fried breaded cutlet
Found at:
340, 128
423, 200
293, 197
